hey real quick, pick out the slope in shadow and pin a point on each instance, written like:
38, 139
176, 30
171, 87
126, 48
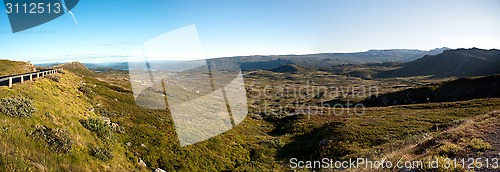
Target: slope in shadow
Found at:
457, 90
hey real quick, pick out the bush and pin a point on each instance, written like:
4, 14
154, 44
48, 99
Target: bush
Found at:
117, 128
85, 89
119, 89
61, 71
273, 143
18, 107
55, 78
105, 112
103, 154
57, 139
97, 126
449, 149
478, 144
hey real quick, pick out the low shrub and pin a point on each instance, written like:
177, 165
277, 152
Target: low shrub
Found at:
105, 112
18, 107
85, 89
273, 143
119, 89
117, 128
479, 144
97, 126
449, 149
55, 78
57, 139
103, 154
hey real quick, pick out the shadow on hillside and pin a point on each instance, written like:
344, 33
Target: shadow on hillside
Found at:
325, 141
457, 90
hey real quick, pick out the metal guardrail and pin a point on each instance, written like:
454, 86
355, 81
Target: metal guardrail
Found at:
27, 76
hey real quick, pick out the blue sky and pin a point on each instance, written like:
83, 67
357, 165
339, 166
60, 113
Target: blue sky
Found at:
109, 29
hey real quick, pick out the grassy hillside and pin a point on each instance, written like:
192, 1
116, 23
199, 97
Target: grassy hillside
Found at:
8, 67
64, 143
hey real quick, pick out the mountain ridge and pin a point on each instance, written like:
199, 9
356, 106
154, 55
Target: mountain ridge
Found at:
320, 60
457, 63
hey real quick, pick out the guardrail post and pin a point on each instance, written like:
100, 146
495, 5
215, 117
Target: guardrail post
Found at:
43, 74
10, 82
38, 75
31, 77
22, 79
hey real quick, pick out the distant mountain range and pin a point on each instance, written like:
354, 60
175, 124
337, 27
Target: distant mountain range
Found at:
458, 63
441, 62
324, 60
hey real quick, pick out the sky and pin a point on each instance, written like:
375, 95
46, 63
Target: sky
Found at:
108, 30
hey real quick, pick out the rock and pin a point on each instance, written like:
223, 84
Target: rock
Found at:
128, 144
143, 145
142, 163
159, 170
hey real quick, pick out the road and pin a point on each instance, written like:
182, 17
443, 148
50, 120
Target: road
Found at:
4, 80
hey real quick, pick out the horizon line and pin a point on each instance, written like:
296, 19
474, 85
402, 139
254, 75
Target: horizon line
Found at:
305, 54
